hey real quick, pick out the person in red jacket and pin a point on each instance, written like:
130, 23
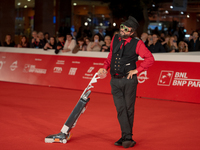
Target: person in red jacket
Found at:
124, 52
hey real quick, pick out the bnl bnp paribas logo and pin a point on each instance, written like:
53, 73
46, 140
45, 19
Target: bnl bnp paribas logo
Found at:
179, 79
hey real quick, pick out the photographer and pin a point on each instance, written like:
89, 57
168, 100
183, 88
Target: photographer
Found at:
36, 42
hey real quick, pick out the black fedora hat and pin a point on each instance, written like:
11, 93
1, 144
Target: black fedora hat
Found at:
131, 22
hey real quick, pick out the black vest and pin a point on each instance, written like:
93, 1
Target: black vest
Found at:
122, 63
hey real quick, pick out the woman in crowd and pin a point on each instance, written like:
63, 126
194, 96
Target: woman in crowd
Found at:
171, 45
8, 41
95, 45
182, 47
23, 42
46, 37
70, 43
51, 44
87, 41
81, 46
106, 47
164, 43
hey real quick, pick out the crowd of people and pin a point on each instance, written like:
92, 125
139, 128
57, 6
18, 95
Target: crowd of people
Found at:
83, 40
166, 43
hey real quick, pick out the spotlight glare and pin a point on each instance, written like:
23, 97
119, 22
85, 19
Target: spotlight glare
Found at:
86, 24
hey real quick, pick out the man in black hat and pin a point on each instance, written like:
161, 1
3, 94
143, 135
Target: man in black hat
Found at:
124, 52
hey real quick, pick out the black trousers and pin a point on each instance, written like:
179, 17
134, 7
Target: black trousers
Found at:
124, 94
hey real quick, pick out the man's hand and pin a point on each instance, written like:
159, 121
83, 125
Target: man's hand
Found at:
105, 47
59, 47
131, 73
33, 40
102, 71
38, 40
150, 42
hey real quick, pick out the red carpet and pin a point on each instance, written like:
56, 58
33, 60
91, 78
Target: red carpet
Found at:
29, 113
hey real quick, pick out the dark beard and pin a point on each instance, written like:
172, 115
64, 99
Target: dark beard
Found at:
124, 36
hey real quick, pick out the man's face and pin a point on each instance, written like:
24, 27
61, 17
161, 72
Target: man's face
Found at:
34, 35
74, 33
144, 36
155, 38
125, 32
61, 39
51, 40
195, 35
162, 35
107, 39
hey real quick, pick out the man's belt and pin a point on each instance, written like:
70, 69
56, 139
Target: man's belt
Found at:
118, 76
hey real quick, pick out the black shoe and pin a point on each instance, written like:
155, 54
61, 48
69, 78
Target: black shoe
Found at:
119, 142
128, 143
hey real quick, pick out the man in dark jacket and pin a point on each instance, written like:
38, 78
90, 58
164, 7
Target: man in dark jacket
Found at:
154, 45
194, 44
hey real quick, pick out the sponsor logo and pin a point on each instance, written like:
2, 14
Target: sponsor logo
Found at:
165, 78
98, 64
142, 77
60, 62
1, 64
26, 68
72, 71
76, 62
33, 69
89, 75
57, 69
13, 66
90, 69
181, 79
38, 59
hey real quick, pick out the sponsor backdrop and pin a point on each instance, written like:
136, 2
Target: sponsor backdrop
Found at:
178, 81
